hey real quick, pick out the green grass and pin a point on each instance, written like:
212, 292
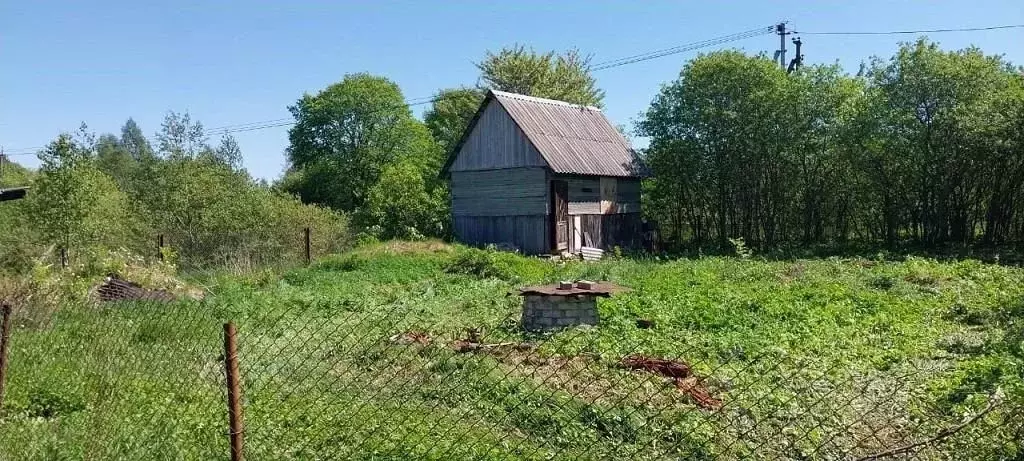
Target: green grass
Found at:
817, 358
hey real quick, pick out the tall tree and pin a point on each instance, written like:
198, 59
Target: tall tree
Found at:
73, 204
344, 137
135, 142
565, 77
720, 149
450, 113
939, 113
114, 160
228, 152
181, 137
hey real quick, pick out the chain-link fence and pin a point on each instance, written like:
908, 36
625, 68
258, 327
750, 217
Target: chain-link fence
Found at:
363, 358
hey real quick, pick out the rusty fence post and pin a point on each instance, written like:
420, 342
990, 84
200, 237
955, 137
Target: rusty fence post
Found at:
309, 254
235, 420
5, 339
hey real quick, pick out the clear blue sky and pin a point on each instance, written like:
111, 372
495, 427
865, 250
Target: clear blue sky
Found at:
232, 62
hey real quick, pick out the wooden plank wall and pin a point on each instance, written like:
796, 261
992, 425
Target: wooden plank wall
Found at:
496, 142
509, 192
606, 231
527, 233
585, 194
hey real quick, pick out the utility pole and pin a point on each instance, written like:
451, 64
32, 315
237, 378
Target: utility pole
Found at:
798, 60
780, 29
3, 158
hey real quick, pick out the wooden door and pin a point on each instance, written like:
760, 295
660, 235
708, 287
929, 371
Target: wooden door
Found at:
560, 215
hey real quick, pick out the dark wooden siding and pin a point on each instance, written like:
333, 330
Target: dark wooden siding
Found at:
527, 233
511, 192
585, 194
628, 195
496, 142
609, 230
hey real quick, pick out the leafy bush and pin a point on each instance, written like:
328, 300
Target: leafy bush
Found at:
480, 264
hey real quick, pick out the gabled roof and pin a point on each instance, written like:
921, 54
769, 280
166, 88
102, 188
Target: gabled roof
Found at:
572, 139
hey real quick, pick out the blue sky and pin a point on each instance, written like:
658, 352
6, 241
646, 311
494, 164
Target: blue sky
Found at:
234, 62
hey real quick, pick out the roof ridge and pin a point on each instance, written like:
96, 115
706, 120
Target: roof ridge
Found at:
538, 100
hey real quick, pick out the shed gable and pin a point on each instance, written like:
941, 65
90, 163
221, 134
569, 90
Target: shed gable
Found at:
495, 142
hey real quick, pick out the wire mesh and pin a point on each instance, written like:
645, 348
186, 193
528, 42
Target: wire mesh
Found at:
390, 357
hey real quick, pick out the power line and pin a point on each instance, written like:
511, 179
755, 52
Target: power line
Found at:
682, 48
922, 31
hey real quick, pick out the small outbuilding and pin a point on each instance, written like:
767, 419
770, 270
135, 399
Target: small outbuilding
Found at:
544, 176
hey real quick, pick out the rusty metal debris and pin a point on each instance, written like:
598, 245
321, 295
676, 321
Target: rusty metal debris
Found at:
682, 377
117, 289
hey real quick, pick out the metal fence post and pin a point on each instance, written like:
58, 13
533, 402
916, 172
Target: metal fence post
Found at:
235, 420
160, 247
5, 339
309, 254
63, 258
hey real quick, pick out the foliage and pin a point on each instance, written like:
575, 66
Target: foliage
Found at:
811, 346
450, 113
103, 198
400, 206
909, 150
74, 205
346, 135
16, 241
564, 77
180, 137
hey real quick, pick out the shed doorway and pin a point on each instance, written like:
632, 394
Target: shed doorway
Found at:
560, 215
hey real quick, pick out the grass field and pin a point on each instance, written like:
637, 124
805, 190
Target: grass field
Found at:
353, 358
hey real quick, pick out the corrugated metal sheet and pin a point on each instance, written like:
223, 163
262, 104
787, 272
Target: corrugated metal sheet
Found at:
572, 139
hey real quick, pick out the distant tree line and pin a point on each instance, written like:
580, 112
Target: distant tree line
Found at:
94, 194
925, 147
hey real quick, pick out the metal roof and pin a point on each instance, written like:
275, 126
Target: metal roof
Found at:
573, 139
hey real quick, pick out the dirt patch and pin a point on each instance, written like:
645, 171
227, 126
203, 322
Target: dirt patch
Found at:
462, 346
681, 375
412, 337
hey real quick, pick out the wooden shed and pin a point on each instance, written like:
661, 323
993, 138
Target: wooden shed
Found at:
543, 176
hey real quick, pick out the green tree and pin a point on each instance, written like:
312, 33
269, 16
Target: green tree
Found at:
133, 141
450, 113
228, 152
942, 117
565, 77
400, 205
720, 150
346, 135
73, 204
116, 161
181, 137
